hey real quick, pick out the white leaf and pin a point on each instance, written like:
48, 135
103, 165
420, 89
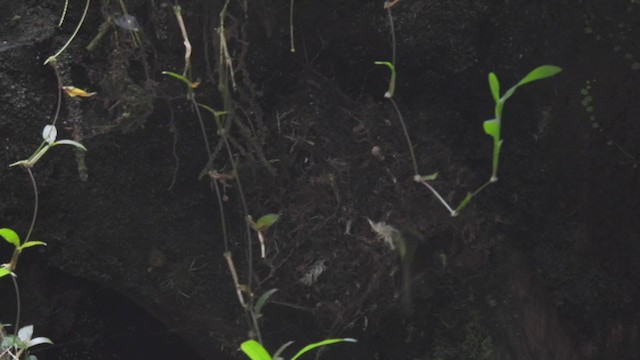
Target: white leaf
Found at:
49, 133
25, 333
70, 142
40, 340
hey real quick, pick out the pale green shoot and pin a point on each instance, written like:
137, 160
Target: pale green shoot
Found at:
261, 302
49, 135
260, 226
493, 126
392, 80
255, 351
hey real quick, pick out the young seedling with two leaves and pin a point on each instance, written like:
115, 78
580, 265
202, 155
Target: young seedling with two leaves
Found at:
255, 351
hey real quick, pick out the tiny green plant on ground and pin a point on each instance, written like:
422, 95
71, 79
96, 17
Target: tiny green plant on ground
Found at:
255, 351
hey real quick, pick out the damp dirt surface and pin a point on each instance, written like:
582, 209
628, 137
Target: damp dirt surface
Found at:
543, 264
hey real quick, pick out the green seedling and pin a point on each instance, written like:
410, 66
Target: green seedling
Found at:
255, 351
12, 238
190, 84
17, 345
49, 135
261, 226
392, 80
493, 127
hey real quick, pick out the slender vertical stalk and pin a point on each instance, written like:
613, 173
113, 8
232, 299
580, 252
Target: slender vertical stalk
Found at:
293, 47
18, 305
406, 135
35, 205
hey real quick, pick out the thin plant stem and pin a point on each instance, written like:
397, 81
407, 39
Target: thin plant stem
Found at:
31, 226
64, 13
293, 47
187, 44
202, 128
406, 135
248, 234
393, 36
75, 32
223, 224
18, 305
439, 197
56, 71
35, 205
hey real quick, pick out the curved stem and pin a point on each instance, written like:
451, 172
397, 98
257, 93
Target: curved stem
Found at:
75, 32
439, 197
248, 233
60, 85
223, 224
18, 306
35, 205
293, 47
406, 135
393, 37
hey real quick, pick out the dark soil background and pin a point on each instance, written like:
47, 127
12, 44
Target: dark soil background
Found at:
543, 264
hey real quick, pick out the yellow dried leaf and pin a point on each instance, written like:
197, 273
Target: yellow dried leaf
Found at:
73, 91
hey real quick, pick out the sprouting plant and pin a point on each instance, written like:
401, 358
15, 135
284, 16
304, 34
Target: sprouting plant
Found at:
262, 225
255, 351
49, 135
493, 128
12, 238
19, 344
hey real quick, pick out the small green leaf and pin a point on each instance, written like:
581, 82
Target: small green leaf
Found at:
10, 236
29, 244
464, 203
494, 85
266, 221
431, 177
392, 81
181, 78
4, 272
262, 300
254, 350
321, 343
69, 142
540, 73
492, 128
